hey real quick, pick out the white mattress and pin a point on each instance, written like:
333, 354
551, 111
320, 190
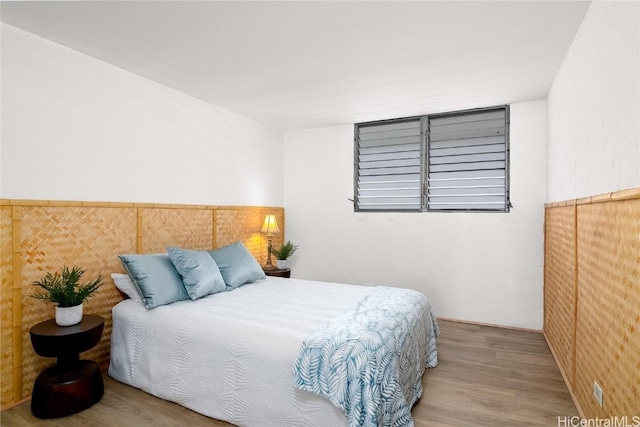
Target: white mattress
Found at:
230, 355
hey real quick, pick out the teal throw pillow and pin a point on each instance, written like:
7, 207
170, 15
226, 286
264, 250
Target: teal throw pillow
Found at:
156, 278
237, 265
200, 273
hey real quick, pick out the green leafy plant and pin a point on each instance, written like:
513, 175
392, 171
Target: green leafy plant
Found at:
285, 251
64, 288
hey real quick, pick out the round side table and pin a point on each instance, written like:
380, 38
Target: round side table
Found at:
279, 273
71, 385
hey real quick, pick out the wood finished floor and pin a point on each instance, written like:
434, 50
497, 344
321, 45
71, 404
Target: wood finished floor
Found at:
486, 377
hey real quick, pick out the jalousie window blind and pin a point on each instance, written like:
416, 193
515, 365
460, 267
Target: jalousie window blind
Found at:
443, 162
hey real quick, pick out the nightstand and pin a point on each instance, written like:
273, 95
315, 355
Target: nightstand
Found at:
72, 385
279, 273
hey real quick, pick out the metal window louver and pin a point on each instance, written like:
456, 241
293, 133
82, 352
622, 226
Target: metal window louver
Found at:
443, 162
389, 165
467, 161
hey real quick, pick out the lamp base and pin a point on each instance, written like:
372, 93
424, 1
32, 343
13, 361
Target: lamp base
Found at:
269, 267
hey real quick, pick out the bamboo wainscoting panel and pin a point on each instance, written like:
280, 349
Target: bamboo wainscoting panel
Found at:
607, 323
42, 236
183, 228
560, 284
608, 329
6, 305
236, 224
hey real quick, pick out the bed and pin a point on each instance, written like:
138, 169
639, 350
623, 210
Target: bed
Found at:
251, 356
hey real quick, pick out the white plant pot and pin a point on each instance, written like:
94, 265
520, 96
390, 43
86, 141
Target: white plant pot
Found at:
282, 264
68, 316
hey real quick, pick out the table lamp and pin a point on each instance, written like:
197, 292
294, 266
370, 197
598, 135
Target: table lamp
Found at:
269, 226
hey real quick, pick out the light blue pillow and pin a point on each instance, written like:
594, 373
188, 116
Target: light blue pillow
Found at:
156, 278
237, 265
200, 273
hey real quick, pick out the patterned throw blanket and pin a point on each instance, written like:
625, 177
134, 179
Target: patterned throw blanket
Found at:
369, 360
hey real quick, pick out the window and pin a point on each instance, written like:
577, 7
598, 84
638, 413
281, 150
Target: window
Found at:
441, 162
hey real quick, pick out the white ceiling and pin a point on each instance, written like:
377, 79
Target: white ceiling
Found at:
295, 65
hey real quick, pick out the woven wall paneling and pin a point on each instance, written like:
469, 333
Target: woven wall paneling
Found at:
240, 225
559, 284
6, 305
184, 228
608, 326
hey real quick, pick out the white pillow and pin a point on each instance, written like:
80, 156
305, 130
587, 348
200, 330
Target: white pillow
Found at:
124, 284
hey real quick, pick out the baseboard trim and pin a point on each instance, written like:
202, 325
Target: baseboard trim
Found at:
491, 325
14, 404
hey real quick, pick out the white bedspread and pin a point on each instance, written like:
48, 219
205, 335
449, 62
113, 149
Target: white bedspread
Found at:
231, 355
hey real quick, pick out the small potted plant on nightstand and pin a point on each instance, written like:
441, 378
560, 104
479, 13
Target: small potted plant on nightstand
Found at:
65, 290
283, 253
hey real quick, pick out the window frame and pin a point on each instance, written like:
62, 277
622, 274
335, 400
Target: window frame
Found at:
425, 140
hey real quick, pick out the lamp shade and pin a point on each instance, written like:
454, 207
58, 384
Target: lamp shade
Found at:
270, 224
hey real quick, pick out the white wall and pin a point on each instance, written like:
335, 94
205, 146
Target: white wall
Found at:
472, 266
593, 106
75, 128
